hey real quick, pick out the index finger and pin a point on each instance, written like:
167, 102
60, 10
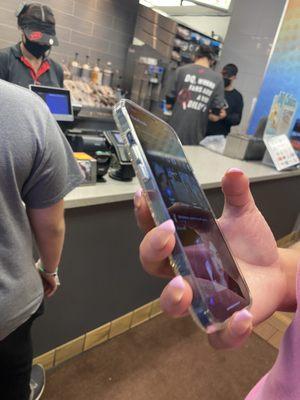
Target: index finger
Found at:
142, 213
155, 249
236, 332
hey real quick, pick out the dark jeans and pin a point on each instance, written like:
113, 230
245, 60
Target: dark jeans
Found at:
16, 355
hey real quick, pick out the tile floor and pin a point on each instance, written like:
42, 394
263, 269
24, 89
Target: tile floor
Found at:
273, 329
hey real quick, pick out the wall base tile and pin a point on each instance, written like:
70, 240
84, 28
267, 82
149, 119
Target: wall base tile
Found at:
141, 315
156, 309
47, 359
120, 325
97, 336
69, 350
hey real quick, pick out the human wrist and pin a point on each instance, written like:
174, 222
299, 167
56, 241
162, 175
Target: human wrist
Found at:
48, 272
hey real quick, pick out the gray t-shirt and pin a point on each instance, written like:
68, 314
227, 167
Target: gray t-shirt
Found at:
37, 168
197, 90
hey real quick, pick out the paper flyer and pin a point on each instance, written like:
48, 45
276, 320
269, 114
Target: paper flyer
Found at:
287, 115
281, 151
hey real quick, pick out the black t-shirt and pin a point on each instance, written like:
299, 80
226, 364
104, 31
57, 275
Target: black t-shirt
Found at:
196, 90
234, 114
13, 69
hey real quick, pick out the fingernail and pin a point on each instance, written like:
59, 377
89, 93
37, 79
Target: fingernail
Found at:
242, 321
235, 171
168, 226
138, 199
178, 286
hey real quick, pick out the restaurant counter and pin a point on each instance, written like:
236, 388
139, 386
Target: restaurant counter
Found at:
100, 271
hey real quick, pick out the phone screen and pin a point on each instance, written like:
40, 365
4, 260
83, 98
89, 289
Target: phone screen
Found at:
213, 267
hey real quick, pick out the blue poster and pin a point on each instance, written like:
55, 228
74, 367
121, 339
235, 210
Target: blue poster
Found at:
282, 75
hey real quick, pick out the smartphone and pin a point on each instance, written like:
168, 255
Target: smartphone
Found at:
201, 254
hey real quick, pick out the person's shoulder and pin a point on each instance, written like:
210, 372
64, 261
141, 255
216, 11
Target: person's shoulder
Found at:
56, 65
214, 75
6, 52
237, 94
12, 91
182, 69
21, 99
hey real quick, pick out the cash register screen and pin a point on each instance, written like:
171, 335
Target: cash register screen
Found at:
58, 100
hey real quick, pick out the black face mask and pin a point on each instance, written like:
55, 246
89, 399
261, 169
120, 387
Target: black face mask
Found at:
227, 82
36, 49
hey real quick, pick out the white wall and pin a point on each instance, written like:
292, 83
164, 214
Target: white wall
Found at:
249, 39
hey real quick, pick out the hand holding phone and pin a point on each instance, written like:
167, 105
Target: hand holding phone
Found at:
201, 254
261, 266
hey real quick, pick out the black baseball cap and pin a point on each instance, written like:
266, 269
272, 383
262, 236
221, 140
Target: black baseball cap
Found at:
38, 23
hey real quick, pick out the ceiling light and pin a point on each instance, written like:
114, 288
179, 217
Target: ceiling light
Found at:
223, 4
166, 3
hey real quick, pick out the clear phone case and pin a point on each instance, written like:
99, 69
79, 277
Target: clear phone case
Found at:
178, 260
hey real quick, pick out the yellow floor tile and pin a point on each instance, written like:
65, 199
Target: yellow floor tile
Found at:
290, 315
69, 350
276, 339
47, 359
265, 330
97, 336
156, 309
285, 317
120, 325
278, 322
141, 315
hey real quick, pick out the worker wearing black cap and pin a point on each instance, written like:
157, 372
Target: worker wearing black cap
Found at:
197, 94
27, 62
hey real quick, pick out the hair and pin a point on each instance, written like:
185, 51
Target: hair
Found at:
205, 51
230, 70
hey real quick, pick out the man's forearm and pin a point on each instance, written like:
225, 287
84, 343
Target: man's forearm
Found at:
213, 117
48, 227
50, 242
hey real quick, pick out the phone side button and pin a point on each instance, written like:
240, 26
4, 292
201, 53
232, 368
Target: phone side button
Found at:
130, 138
144, 173
135, 152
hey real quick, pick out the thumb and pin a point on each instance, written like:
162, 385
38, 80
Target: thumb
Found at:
235, 186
